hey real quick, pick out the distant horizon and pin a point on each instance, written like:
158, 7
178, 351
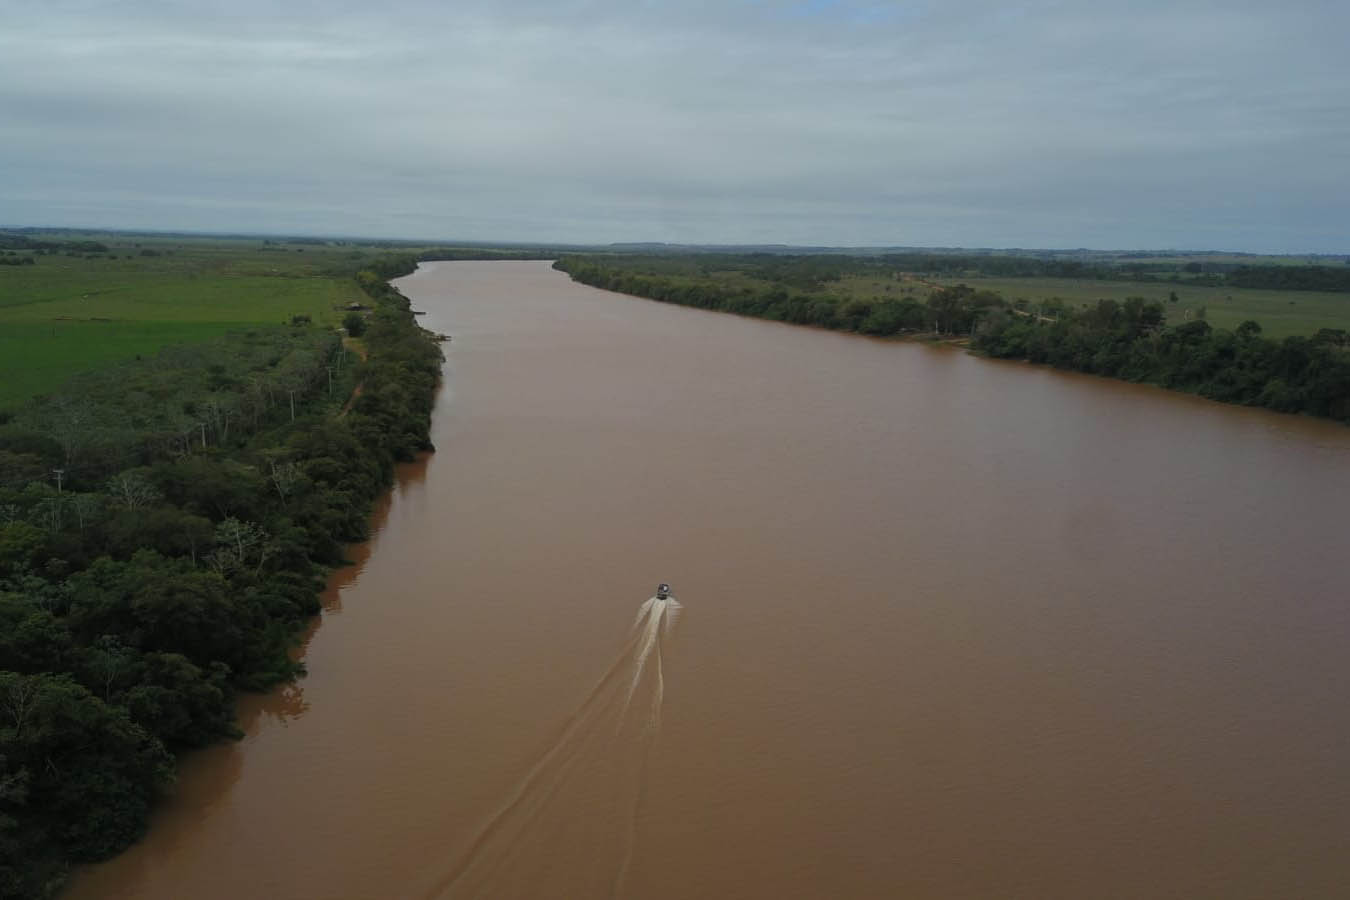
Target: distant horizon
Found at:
549, 244
810, 123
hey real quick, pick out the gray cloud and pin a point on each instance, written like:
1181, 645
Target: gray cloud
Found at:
1190, 124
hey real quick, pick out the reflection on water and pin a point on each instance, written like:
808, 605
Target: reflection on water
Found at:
283, 704
955, 629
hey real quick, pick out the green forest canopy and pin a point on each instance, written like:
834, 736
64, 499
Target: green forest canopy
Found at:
165, 525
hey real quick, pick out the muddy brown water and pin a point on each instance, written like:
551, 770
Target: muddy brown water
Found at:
951, 629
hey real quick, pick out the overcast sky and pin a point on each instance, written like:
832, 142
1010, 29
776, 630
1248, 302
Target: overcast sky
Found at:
1152, 124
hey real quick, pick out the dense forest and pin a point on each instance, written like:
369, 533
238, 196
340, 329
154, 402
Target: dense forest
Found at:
165, 528
1126, 340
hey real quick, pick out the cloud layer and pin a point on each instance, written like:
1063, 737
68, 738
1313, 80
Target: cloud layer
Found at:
1190, 124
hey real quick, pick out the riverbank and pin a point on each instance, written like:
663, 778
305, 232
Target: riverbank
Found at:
174, 562
1126, 340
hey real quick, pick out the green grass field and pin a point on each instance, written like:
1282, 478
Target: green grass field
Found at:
66, 313
1280, 313
37, 356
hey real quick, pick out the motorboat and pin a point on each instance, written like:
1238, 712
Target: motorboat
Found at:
663, 591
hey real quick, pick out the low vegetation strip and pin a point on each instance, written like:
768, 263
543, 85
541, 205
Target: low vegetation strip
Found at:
1128, 340
165, 526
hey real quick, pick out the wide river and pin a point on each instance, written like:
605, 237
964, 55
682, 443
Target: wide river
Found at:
943, 628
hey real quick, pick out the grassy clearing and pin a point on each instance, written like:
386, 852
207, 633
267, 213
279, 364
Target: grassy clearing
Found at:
37, 356
65, 314
1280, 313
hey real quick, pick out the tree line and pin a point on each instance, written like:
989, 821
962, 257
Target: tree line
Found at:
811, 272
949, 311
1126, 340
1210, 274
10, 241
165, 529
1290, 278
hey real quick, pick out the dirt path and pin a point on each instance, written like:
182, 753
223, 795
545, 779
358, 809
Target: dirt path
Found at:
359, 348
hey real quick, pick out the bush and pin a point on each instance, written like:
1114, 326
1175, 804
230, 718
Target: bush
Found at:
355, 323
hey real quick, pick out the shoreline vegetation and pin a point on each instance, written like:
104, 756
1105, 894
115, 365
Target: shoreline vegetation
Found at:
166, 527
167, 521
74, 301
1128, 340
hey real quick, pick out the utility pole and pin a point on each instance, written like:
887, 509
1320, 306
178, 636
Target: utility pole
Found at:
203, 424
59, 475
292, 393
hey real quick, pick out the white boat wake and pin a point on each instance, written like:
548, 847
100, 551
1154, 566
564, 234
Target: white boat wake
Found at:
582, 795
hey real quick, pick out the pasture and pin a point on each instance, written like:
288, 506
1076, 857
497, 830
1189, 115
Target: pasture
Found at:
67, 313
1280, 313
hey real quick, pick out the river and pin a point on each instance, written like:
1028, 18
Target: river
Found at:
946, 628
